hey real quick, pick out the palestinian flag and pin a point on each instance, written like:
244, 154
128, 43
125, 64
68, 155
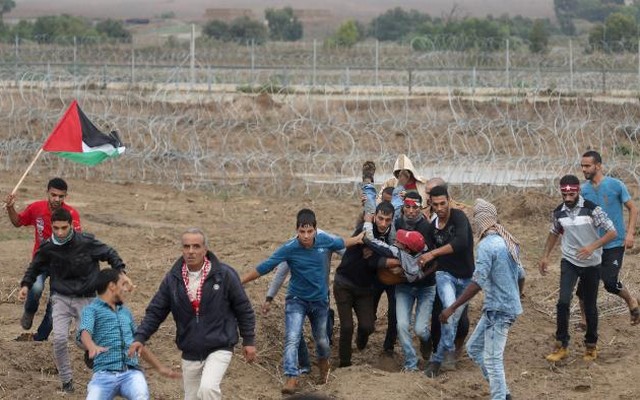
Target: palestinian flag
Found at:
77, 139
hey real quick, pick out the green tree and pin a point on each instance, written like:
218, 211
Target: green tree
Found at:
618, 34
244, 29
538, 37
283, 25
23, 29
396, 24
113, 29
565, 12
50, 28
6, 6
347, 35
216, 29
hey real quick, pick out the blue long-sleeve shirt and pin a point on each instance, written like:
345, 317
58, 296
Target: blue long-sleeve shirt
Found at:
497, 274
308, 266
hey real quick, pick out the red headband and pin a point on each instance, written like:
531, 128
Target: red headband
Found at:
412, 202
569, 188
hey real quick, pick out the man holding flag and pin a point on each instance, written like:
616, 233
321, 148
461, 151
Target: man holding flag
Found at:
38, 214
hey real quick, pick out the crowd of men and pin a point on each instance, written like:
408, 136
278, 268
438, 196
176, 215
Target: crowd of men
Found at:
412, 242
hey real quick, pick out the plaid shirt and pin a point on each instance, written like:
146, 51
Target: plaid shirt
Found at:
111, 329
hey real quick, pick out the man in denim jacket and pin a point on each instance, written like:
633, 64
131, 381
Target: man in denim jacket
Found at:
497, 273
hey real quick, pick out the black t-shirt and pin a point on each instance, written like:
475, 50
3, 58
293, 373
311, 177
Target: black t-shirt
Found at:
457, 232
354, 269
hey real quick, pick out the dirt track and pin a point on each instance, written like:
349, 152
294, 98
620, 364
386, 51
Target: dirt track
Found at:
143, 222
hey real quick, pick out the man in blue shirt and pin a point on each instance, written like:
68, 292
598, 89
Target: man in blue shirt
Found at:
610, 194
307, 293
106, 330
497, 274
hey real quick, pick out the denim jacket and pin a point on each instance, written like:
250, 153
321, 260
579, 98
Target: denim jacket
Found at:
497, 274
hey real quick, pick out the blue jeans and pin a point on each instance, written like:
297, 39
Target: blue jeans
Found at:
129, 384
31, 307
295, 310
449, 288
486, 348
406, 296
370, 193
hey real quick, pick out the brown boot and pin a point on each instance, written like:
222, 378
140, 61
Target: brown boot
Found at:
290, 385
323, 366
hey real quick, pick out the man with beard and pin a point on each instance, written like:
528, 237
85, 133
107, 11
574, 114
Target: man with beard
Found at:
421, 292
450, 241
611, 194
353, 285
578, 221
38, 214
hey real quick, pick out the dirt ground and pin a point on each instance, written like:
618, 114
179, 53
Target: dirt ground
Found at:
143, 223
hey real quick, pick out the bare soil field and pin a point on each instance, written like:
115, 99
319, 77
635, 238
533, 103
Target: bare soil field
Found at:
143, 223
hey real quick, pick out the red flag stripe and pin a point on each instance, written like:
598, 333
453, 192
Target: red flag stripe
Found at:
67, 135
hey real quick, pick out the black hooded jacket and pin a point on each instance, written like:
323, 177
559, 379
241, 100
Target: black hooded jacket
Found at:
224, 309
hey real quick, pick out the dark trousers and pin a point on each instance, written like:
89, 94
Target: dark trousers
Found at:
461, 332
350, 299
589, 279
609, 271
392, 329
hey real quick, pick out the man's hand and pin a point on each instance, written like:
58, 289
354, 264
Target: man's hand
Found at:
366, 253
10, 201
22, 294
543, 265
135, 349
250, 353
169, 373
426, 258
584, 253
396, 270
628, 241
445, 314
266, 306
359, 238
368, 217
95, 350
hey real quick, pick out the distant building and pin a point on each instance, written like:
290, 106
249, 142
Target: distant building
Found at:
227, 14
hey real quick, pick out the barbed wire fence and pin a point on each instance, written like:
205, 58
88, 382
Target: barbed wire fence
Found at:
182, 129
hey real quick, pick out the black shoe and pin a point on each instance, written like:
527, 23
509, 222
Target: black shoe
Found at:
344, 364
88, 361
433, 370
67, 387
26, 321
508, 397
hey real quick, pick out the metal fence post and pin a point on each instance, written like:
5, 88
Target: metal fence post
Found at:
315, 65
192, 54
377, 61
253, 60
507, 66
75, 58
15, 70
571, 64
133, 65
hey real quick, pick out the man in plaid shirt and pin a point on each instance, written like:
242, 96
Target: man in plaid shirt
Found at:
106, 330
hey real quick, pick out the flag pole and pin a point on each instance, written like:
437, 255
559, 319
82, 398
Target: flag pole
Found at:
15, 189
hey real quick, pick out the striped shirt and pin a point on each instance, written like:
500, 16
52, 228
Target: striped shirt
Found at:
579, 228
112, 329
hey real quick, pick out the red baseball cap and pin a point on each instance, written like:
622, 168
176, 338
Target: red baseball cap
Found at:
414, 241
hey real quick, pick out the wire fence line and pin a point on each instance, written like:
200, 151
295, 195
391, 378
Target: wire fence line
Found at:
443, 61
284, 144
